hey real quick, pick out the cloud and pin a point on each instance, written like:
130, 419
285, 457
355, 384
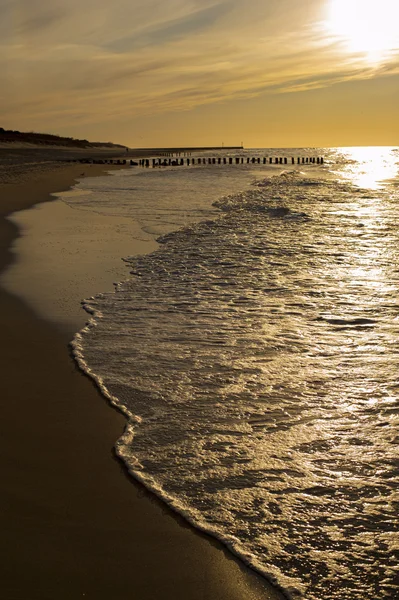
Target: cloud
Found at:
93, 60
177, 28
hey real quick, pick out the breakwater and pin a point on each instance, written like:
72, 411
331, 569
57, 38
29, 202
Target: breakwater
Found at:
230, 160
176, 161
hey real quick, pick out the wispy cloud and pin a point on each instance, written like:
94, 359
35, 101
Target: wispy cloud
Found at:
183, 27
95, 60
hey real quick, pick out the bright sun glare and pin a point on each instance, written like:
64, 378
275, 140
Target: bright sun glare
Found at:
369, 166
369, 27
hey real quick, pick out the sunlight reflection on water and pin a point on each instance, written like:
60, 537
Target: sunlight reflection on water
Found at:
368, 166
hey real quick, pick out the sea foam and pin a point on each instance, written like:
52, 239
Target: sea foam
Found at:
255, 357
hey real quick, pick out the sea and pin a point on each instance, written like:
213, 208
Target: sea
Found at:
255, 355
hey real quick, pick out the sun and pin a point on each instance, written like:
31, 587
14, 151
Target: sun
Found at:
368, 27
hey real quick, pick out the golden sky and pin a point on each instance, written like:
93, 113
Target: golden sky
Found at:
202, 72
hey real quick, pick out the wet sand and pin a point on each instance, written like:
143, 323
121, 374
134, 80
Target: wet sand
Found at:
73, 524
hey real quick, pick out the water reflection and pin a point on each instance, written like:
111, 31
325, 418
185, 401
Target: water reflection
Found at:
260, 351
368, 166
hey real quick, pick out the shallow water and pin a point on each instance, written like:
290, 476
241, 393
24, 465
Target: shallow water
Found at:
256, 355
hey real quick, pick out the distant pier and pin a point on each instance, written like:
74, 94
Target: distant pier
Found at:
180, 151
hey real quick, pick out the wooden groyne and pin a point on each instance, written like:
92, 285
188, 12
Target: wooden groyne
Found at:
230, 160
176, 161
104, 161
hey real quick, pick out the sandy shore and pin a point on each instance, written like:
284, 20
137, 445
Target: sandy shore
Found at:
73, 524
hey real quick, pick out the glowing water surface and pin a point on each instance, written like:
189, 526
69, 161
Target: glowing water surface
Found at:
257, 357
370, 167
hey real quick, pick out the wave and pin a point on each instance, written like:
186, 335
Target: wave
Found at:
243, 403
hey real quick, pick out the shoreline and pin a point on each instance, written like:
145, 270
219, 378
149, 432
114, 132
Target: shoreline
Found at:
74, 524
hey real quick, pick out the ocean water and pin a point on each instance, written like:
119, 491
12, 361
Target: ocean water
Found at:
256, 356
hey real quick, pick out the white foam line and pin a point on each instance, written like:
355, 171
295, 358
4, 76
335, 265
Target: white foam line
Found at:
284, 584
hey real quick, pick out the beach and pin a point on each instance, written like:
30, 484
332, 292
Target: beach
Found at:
74, 524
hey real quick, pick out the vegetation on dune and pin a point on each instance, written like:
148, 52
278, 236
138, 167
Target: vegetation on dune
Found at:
48, 139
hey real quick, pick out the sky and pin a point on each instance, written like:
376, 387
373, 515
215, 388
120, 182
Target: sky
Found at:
157, 73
